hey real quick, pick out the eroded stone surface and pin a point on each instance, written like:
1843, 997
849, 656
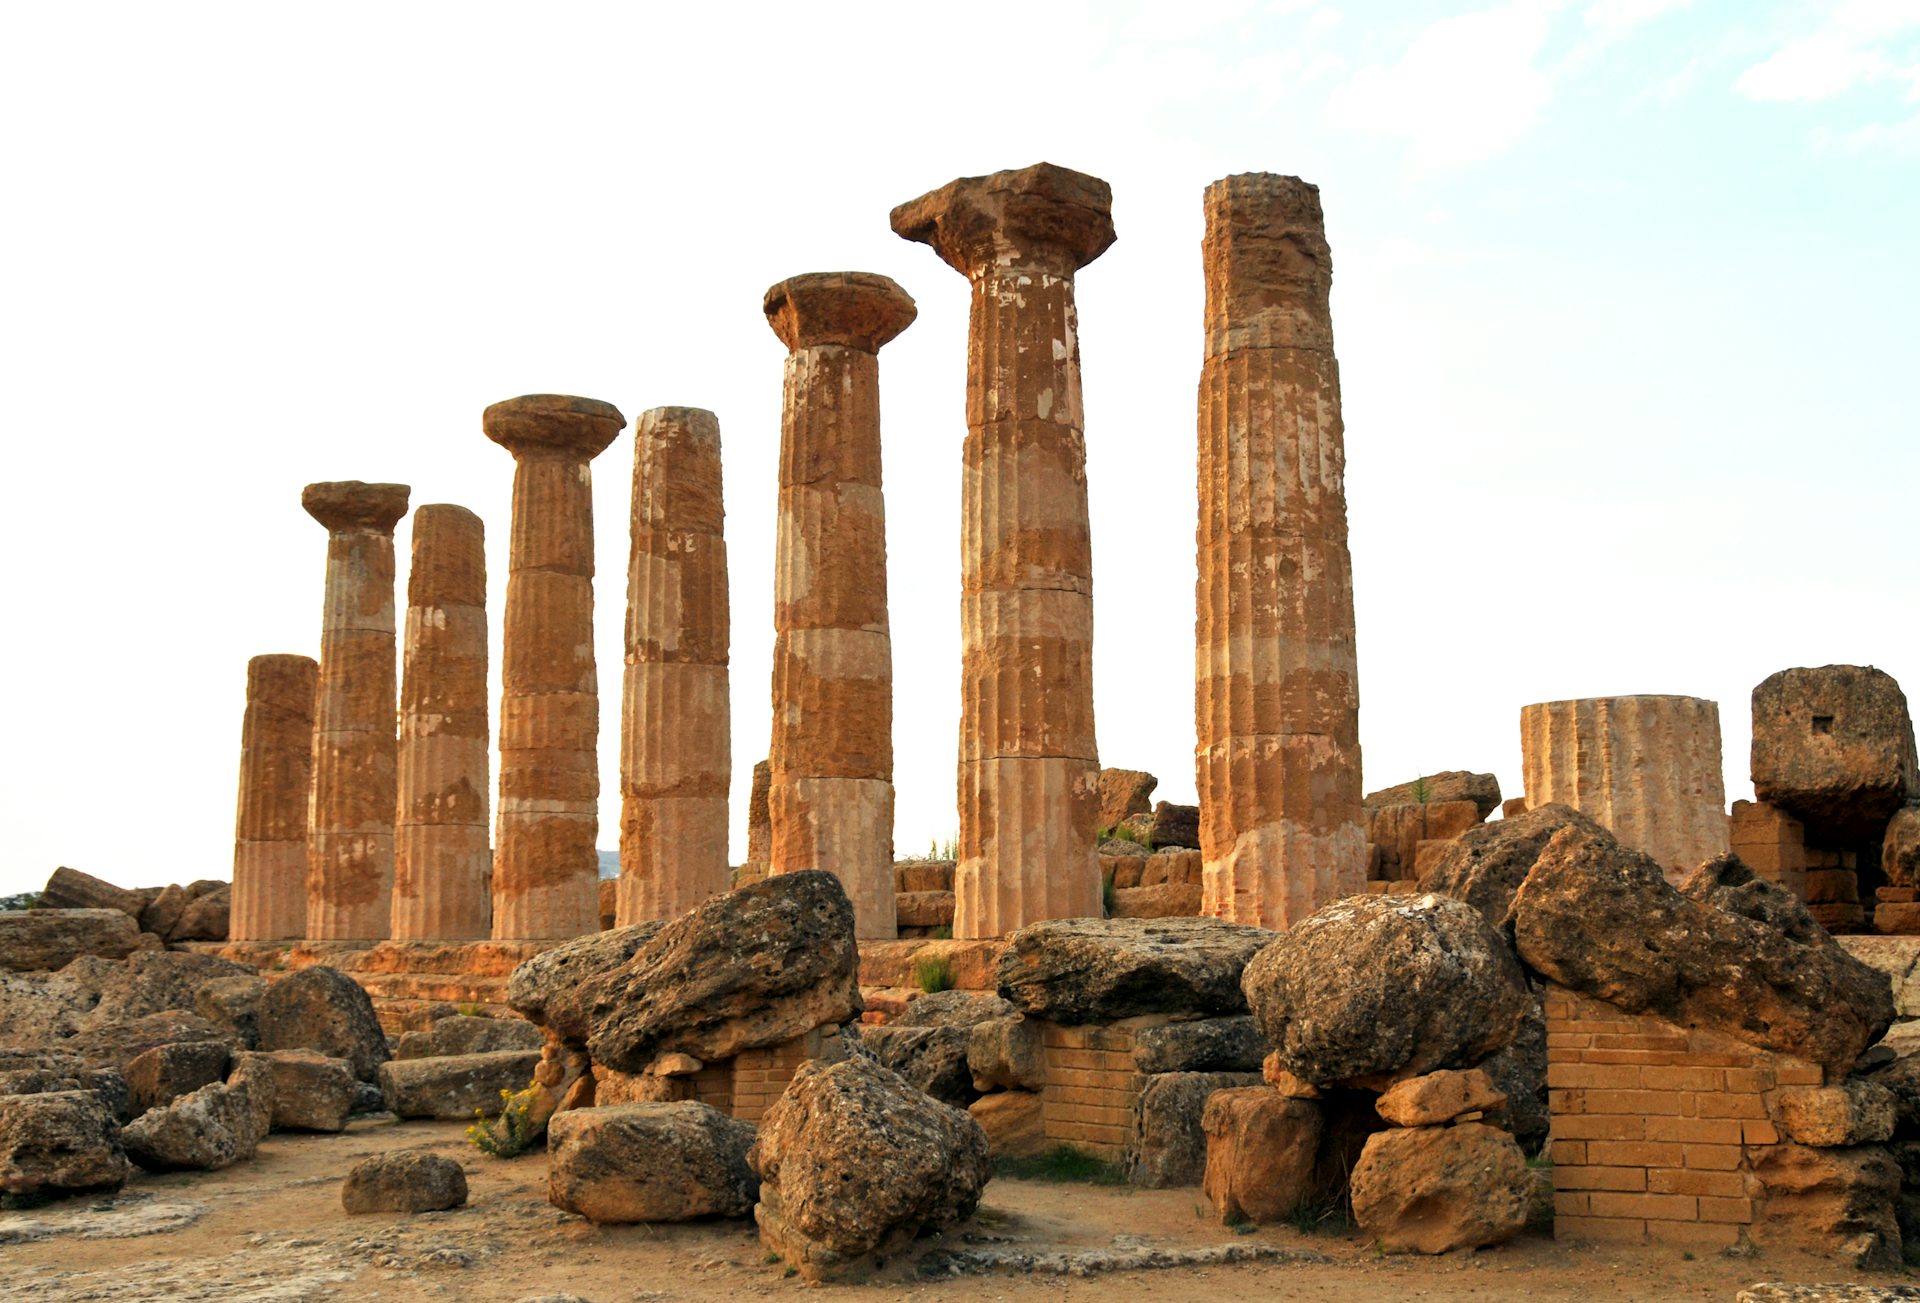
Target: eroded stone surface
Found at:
276, 777
1087, 970
1435, 1189
669, 1162
403, 1183
49, 939
1261, 1149
59, 1143
1834, 746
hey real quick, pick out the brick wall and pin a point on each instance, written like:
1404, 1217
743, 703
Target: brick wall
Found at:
1091, 1084
1655, 1126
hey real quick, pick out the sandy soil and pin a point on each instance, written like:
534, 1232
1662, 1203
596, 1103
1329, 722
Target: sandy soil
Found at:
273, 1230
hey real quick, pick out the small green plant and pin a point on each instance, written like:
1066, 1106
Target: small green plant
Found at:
944, 850
933, 973
1422, 792
944, 932
1312, 1216
1128, 833
1063, 1163
510, 1134
1686, 1255
470, 1009
1109, 894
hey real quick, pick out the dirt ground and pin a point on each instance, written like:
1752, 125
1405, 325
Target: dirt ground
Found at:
272, 1230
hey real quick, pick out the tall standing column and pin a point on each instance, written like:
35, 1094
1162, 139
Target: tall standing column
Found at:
830, 794
350, 832
676, 744
545, 868
276, 776
442, 853
1029, 771
1276, 683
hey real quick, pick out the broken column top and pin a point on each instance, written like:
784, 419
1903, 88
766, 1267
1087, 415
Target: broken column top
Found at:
1269, 270
449, 556
349, 504
553, 424
281, 676
859, 309
1039, 214
676, 470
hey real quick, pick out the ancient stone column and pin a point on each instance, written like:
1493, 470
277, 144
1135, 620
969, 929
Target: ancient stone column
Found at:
676, 748
1276, 685
830, 790
442, 852
276, 776
350, 829
1029, 771
545, 867
1646, 768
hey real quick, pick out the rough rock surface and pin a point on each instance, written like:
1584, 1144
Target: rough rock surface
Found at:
38, 1072
742, 971
154, 981
59, 1143
1520, 1073
403, 1183
464, 1034
1734, 952
1828, 1199
1124, 792
311, 1092
71, 889
1900, 848
1447, 785
206, 916
1856, 1112
1260, 1155
40, 1008
1435, 1189
455, 1085
1484, 866
1834, 747
42, 940
551, 987
853, 1161
1169, 1147
115, 1045
324, 1010
1086, 970
1438, 1097
212, 1128
1229, 1044
650, 1163
1013, 1122
233, 1003
1377, 987
1006, 1053
953, 1009
933, 1059
157, 1077
1175, 825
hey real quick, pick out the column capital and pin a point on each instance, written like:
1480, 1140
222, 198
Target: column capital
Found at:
350, 504
859, 309
1045, 215
553, 425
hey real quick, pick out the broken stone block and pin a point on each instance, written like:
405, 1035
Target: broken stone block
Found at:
465, 1034
650, 1163
1448, 785
1167, 900
923, 908
1006, 1053
157, 1077
1436, 1189
72, 889
323, 1010
1438, 1097
1261, 1147
1124, 792
1900, 848
1169, 1147
455, 1085
59, 1143
1486, 865
1834, 746
1202, 1045
212, 1128
406, 1182
1856, 1112
311, 1092
1828, 1200
42, 940
933, 1059
1175, 825
1074, 971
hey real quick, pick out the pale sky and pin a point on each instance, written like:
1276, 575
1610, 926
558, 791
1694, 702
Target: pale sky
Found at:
1624, 300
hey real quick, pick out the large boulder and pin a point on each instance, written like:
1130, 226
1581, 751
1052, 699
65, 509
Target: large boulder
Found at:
1261, 1148
1231, 1044
323, 1010
1520, 1073
1372, 988
1733, 953
1090, 970
1436, 1189
212, 1128
455, 1085
465, 1034
953, 1009
157, 1077
650, 1163
1006, 1053
233, 1003
59, 1143
311, 1092
1448, 785
40, 1072
1169, 1147
155, 981
1833, 746
72, 889
1439, 1097
854, 1161
741, 971
1484, 866
41, 940
405, 1182
1174, 825
1855, 1112
550, 988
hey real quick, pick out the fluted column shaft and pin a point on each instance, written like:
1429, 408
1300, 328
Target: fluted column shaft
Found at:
545, 866
350, 830
676, 747
442, 851
276, 775
1028, 762
1647, 768
1276, 683
830, 788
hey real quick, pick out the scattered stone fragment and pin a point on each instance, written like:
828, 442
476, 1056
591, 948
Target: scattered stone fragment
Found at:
1169, 1147
650, 1163
1087, 970
233, 1003
155, 981
407, 1182
1436, 1189
455, 1085
854, 1161
1438, 1097
311, 1092
324, 1010
42, 940
1856, 1112
1377, 987
157, 1077
72, 889
1230, 1044
59, 1143
933, 1059
1261, 1148
212, 1128
1124, 792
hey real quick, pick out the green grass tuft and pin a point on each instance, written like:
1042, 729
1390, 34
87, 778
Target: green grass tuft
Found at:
933, 973
1063, 1163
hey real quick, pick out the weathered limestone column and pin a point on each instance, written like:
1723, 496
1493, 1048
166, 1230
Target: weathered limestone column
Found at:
1276, 685
276, 777
676, 747
545, 868
1646, 768
442, 854
350, 827
830, 791
1029, 770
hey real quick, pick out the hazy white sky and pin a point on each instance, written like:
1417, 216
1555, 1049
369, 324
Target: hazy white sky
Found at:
1624, 298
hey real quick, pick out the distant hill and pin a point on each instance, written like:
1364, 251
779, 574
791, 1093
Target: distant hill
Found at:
609, 864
